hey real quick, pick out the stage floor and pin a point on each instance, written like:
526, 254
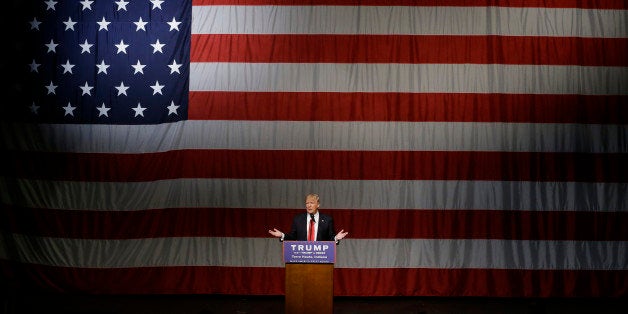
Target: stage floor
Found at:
214, 304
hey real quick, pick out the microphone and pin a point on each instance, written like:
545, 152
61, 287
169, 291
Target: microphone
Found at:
312, 216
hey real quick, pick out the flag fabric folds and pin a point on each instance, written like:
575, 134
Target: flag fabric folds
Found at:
470, 148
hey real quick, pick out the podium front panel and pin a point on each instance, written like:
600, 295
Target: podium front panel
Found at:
309, 288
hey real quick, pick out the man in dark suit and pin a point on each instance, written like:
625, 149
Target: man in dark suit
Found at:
311, 225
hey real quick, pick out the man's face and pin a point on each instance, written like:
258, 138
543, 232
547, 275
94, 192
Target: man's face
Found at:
311, 205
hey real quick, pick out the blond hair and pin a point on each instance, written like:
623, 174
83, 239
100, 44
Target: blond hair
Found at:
314, 196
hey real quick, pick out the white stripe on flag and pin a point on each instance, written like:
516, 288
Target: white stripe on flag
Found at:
280, 135
402, 20
265, 252
410, 78
354, 194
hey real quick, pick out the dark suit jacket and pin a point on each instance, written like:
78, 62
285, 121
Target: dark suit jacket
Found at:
298, 231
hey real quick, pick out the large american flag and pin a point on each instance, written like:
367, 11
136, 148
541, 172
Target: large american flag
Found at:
470, 147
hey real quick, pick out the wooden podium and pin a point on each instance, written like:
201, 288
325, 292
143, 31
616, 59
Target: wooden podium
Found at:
309, 276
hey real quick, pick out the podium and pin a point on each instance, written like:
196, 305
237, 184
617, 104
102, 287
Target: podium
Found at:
309, 276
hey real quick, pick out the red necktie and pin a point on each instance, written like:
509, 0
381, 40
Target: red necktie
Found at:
311, 233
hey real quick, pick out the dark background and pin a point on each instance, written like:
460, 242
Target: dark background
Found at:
206, 304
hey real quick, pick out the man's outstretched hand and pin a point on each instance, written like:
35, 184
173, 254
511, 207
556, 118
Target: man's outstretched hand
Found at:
341, 235
275, 233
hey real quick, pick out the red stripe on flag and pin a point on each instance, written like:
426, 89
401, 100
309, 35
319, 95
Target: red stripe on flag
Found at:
409, 49
347, 281
461, 107
393, 224
481, 282
592, 4
337, 165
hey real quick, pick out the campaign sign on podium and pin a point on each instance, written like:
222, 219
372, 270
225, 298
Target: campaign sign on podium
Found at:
317, 252
309, 276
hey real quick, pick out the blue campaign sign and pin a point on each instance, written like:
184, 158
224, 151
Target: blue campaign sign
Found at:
319, 252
